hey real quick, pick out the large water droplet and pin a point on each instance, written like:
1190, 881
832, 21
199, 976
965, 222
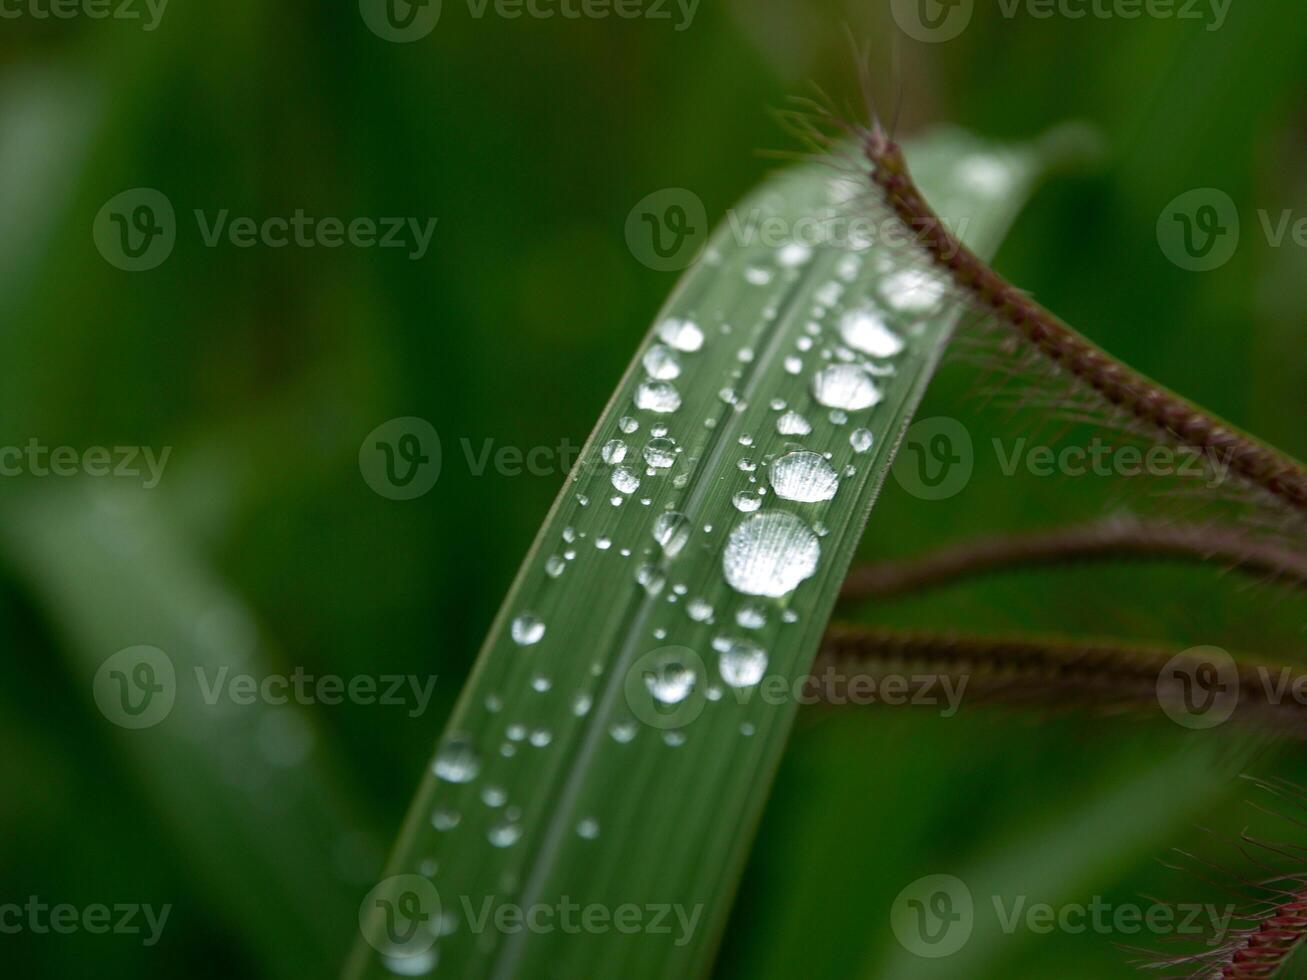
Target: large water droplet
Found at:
527, 629
457, 760
657, 396
684, 335
845, 386
769, 554
864, 329
803, 476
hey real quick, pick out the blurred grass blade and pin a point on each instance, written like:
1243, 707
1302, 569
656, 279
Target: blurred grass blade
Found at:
607, 763
1061, 862
248, 789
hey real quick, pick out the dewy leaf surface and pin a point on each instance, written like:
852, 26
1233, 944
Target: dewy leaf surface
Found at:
592, 802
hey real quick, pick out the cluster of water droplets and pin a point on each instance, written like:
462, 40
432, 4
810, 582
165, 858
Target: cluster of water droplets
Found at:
782, 477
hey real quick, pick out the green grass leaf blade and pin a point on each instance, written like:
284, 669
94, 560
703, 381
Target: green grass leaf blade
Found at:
618, 761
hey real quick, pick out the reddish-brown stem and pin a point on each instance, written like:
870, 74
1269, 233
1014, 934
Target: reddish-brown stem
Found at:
1099, 540
1045, 671
1163, 411
1266, 948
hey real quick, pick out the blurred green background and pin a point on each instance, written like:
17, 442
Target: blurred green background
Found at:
530, 141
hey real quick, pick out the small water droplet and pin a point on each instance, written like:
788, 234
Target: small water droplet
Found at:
793, 365
650, 579
588, 828
793, 424
700, 610
411, 965
657, 396
493, 796
457, 760
684, 335
662, 363
861, 440
769, 554
746, 502
527, 629
504, 833
443, 818
751, 616
628, 424
660, 453
912, 291
625, 480
671, 530
614, 451
622, 731
845, 386
669, 680
804, 477
757, 275
741, 663
581, 703
864, 329
793, 255
540, 683
554, 566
